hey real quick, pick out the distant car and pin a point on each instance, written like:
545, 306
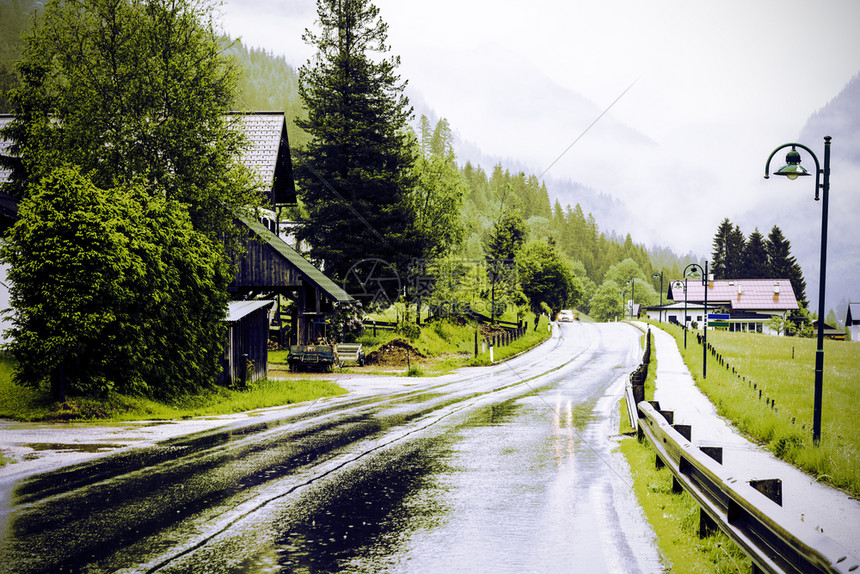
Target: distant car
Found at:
566, 315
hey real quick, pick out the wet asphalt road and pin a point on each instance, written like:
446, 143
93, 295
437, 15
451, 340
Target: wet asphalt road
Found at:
499, 469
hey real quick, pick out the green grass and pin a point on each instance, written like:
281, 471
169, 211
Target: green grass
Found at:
448, 346
675, 518
530, 339
25, 404
782, 368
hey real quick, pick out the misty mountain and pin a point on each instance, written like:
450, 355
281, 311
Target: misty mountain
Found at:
840, 118
800, 217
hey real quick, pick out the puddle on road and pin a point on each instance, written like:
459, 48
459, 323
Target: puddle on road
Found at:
72, 447
361, 519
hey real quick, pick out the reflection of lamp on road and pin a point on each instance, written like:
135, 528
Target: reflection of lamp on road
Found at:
696, 268
792, 170
660, 275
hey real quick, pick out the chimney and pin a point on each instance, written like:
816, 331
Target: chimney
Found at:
740, 289
776, 288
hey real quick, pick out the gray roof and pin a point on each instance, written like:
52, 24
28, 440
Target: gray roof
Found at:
308, 270
853, 316
238, 309
268, 153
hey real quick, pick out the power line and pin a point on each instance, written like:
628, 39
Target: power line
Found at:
597, 119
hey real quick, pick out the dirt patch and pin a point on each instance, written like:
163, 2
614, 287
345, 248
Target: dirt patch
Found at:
490, 330
395, 353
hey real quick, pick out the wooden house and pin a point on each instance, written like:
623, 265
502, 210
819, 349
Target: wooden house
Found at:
245, 357
830, 332
270, 268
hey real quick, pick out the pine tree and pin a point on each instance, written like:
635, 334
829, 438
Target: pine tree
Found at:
356, 172
727, 259
755, 257
783, 265
735, 249
719, 256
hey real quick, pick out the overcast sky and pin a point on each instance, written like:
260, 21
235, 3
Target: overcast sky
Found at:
716, 86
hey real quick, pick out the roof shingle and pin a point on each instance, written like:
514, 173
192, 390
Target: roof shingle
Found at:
740, 294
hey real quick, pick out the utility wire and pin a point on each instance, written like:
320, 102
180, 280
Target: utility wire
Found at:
597, 119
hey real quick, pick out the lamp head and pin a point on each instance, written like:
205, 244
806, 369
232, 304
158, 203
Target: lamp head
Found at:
792, 169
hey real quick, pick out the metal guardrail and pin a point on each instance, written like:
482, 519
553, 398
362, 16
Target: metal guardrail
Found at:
774, 540
635, 387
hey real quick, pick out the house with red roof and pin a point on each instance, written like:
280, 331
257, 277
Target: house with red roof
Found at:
744, 305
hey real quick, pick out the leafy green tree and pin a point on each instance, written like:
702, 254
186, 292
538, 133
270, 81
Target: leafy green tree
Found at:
627, 271
606, 302
436, 202
112, 290
357, 171
132, 91
546, 276
508, 236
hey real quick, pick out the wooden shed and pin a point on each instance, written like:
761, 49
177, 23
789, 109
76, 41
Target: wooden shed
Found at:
246, 353
270, 267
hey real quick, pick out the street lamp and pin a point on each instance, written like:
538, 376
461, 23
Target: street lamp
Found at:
632, 283
695, 267
792, 170
677, 285
660, 275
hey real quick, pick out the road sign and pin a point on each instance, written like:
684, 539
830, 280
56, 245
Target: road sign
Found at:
718, 316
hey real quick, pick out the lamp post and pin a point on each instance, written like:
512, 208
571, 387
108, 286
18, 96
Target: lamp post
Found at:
632, 283
792, 170
677, 285
695, 267
660, 275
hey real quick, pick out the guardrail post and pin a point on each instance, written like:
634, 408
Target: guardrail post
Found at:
770, 487
685, 431
707, 525
715, 452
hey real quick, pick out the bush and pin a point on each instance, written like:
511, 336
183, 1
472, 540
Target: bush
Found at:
112, 291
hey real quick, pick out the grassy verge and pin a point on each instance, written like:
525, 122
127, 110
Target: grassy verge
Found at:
532, 337
674, 517
444, 346
34, 405
765, 387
